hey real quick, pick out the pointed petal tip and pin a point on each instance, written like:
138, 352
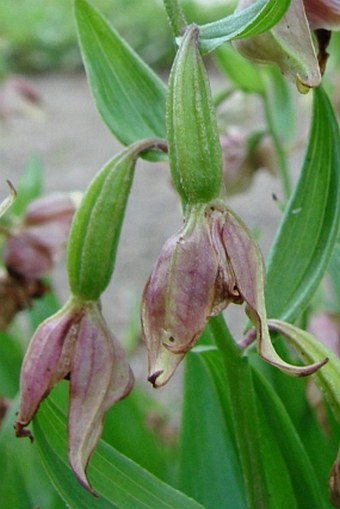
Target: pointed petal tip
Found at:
80, 474
153, 378
21, 431
290, 369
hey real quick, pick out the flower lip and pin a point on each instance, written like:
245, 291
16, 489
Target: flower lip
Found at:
153, 377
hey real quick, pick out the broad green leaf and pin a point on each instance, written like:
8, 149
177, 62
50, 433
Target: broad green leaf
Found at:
11, 355
242, 73
310, 349
309, 228
266, 476
305, 483
209, 469
23, 482
255, 19
128, 95
126, 428
119, 482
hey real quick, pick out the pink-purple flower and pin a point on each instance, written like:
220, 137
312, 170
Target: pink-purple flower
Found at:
75, 344
290, 43
211, 262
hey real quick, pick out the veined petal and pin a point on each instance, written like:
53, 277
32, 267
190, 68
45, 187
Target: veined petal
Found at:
323, 14
247, 263
288, 44
100, 376
47, 361
179, 296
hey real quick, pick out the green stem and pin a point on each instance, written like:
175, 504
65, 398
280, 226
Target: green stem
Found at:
283, 167
223, 339
176, 16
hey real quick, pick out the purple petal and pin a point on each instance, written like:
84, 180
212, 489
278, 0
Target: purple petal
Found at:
47, 361
247, 263
323, 14
179, 297
100, 376
288, 44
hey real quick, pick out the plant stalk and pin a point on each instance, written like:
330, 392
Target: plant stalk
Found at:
176, 16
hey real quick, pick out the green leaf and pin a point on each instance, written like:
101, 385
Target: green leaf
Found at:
266, 476
11, 355
302, 473
128, 94
119, 482
242, 73
334, 272
23, 482
309, 228
42, 308
209, 469
127, 429
309, 348
255, 19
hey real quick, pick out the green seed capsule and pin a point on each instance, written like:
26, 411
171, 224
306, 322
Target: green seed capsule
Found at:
194, 148
96, 226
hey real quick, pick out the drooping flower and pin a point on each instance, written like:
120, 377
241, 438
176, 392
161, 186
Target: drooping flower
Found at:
210, 263
75, 344
32, 246
290, 45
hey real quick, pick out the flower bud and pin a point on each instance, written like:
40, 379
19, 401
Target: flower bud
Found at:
76, 344
194, 149
96, 227
288, 44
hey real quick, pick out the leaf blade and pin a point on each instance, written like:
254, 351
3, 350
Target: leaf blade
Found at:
210, 448
128, 94
119, 482
309, 228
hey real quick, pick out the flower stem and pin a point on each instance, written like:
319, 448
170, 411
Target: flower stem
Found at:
223, 339
176, 16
